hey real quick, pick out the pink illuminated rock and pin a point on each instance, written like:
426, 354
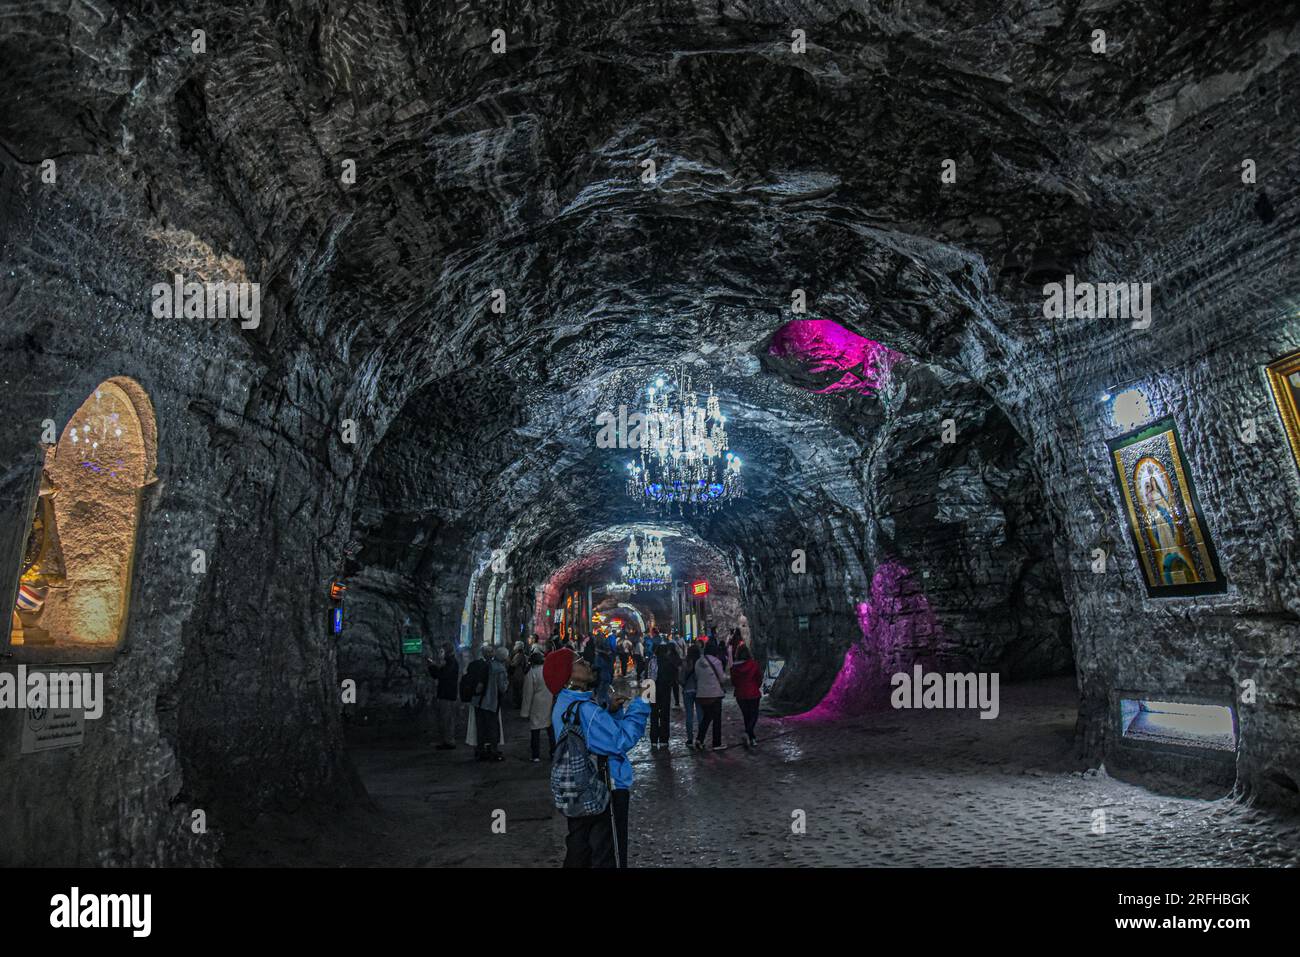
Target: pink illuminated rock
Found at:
896, 622
821, 345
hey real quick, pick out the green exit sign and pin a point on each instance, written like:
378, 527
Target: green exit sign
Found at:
412, 645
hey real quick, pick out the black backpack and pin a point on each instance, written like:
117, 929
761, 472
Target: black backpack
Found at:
474, 680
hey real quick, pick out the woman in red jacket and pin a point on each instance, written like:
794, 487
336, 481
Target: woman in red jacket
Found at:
747, 680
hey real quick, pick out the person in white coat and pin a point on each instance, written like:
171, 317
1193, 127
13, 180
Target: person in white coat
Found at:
537, 705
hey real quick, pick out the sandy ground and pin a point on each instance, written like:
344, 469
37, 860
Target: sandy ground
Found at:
897, 788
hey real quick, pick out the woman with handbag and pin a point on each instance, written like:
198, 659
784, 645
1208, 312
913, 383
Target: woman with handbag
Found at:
708, 694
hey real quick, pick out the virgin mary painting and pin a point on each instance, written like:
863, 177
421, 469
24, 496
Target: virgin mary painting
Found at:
1173, 548
1165, 531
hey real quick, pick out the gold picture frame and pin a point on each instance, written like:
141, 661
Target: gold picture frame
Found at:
1165, 519
1284, 379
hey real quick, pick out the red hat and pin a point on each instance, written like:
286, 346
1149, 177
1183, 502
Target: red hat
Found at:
556, 669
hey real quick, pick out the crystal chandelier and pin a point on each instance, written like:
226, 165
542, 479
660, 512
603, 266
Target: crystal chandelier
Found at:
98, 435
647, 570
684, 451
99, 426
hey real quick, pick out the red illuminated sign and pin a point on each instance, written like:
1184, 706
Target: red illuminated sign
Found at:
700, 588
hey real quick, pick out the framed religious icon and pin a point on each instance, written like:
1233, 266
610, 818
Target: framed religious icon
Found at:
1284, 377
1164, 516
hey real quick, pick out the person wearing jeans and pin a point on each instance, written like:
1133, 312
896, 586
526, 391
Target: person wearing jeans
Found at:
708, 694
710, 717
688, 691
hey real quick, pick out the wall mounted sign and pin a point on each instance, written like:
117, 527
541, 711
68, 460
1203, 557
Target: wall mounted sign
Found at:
1284, 377
412, 645
803, 622
336, 620
1164, 515
700, 588
45, 729
775, 665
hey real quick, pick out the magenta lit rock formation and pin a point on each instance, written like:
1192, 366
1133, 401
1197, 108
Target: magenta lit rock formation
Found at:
897, 629
826, 346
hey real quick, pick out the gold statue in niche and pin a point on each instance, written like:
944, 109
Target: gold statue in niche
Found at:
42, 568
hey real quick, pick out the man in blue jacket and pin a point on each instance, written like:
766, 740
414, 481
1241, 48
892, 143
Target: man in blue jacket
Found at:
610, 733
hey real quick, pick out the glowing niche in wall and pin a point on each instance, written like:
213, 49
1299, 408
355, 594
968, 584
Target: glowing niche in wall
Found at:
75, 578
1178, 723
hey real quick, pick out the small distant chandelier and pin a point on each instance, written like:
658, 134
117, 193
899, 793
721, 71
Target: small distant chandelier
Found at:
98, 435
98, 427
685, 459
648, 570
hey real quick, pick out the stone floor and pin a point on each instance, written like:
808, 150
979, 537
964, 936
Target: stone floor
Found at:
901, 788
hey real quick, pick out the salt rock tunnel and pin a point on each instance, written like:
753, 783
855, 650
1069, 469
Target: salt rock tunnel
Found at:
998, 303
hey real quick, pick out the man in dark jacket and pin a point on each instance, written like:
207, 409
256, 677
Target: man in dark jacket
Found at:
447, 676
666, 671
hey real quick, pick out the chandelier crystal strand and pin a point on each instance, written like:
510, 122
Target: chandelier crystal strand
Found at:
685, 457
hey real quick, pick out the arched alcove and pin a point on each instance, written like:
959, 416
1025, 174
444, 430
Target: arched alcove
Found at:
75, 574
